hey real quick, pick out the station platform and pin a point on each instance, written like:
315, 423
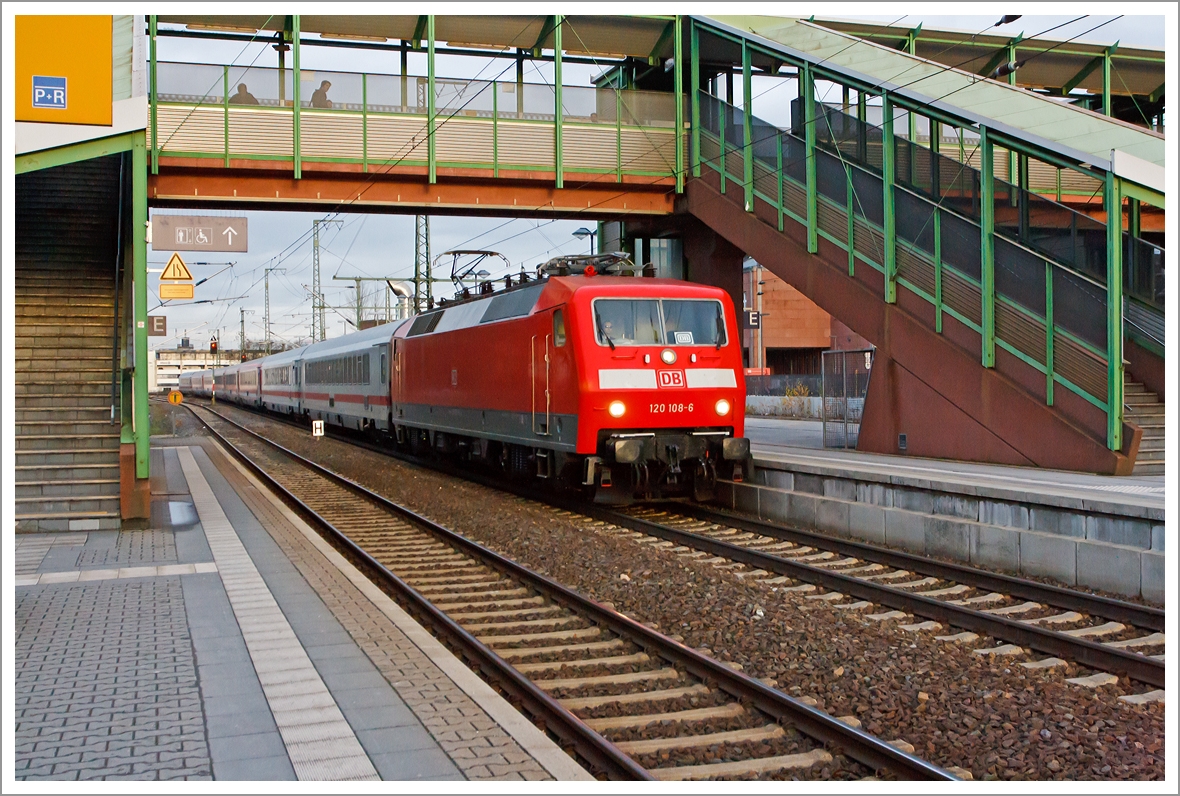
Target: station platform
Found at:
800, 442
228, 641
1100, 532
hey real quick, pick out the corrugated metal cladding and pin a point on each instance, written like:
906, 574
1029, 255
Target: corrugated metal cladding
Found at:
66, 218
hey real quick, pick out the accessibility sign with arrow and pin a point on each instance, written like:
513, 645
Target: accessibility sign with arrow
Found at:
199, 233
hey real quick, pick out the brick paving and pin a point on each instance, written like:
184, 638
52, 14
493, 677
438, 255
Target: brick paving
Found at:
106, 684
132, 547
475, 742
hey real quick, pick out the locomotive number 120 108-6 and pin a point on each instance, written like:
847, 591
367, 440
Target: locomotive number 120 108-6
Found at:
665, 408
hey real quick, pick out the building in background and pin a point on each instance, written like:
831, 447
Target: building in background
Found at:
794, 331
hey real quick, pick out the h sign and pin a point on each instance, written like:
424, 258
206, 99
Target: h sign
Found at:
49, 92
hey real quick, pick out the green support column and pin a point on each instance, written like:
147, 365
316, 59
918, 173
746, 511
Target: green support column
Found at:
747, 131
1113, 200
154, 90
1106, 54
724, 123
431, 166
139, 217
1048, 334
296, 81
678, 80
937, 271
618, 135
987, 249
695, 57
365, 122
888, 175
405, 77
225, 109
851, 222
558, 158
861, 136
519, 84
1012, 82
778, 157
807, 88
495, 129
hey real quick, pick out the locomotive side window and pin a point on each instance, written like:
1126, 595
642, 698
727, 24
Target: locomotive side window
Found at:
558, 328
693, 322
627, 321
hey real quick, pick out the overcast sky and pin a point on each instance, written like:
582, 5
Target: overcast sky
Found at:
383, 245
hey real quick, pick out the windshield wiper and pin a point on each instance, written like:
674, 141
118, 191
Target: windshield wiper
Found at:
720, 326
609, 341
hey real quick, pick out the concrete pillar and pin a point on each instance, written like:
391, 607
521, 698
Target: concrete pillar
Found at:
710, 259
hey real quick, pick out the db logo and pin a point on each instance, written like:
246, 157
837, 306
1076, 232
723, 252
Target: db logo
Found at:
670, 378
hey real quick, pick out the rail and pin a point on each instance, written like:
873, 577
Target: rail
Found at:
857, 744
1099, 656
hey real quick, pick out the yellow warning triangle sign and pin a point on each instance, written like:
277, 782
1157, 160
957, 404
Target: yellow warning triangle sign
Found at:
176, 269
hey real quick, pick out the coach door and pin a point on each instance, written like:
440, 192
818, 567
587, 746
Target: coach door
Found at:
397, 376
540, 347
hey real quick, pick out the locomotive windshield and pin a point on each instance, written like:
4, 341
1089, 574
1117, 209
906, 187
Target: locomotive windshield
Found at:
659, 322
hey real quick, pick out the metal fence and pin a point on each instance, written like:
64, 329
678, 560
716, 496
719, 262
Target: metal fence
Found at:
845, 384
802, 386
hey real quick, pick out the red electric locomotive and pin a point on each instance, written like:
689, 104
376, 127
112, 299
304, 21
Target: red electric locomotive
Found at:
626, 385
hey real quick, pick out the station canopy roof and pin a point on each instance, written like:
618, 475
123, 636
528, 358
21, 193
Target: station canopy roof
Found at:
1136, 70
604, 36
1073, 133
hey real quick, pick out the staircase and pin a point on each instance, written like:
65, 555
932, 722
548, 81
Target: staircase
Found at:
930, 384
67, 447
1145, 410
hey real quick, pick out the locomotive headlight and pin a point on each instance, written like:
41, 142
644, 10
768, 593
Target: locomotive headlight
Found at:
722, 407
668, 356
616, 409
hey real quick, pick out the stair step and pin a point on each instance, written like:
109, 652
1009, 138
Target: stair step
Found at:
1151, 444
72, 429
62, 473
99, 488
58, 521
65, 402
79, 457
40, 506
58, 413
64, 443
1149, 468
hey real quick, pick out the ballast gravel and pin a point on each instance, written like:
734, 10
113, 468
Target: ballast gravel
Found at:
984, 713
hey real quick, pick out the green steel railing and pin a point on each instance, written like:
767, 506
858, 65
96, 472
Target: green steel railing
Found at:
1091, 380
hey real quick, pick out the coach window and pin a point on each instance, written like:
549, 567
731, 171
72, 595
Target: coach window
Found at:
558, 328
384, 375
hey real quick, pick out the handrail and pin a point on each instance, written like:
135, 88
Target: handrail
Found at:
721, 116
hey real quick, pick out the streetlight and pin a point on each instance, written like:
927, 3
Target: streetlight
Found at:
582, 233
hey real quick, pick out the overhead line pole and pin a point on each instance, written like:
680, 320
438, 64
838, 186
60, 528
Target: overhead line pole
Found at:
266, 319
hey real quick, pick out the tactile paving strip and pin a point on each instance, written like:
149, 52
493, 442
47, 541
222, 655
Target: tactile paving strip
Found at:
319, 741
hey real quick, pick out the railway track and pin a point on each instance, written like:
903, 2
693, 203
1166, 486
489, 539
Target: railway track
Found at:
1108, 635
631, 702
1111, 636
